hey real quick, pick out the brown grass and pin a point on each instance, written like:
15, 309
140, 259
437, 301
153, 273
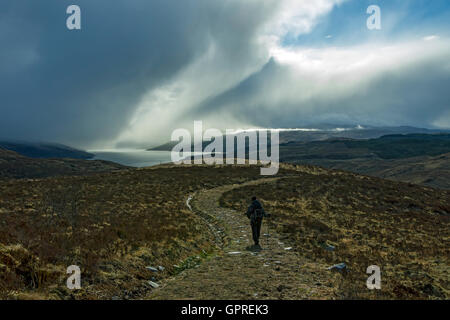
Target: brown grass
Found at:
402, 228
112, 225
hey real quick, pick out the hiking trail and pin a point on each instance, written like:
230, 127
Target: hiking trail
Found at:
235, 272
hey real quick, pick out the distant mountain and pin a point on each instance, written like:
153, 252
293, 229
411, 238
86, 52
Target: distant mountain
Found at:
325, 132
164, 147
45, 150
14, 165
358, 132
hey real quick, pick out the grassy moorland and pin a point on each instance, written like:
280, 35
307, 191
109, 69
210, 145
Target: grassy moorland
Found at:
402, 228
112, 225
115, 224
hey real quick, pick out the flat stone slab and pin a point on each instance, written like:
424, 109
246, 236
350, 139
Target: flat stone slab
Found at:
339, 267
152, 269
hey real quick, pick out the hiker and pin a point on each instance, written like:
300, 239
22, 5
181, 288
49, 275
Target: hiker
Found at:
256, 213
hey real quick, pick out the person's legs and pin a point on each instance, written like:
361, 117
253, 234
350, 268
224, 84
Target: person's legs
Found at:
254, 225
258, 228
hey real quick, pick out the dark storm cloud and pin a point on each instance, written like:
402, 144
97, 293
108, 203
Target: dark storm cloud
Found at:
80, 86
140, 68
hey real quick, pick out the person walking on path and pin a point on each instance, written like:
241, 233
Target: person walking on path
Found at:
256, 213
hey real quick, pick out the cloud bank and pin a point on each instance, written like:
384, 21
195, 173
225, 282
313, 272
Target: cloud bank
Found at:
139, 69
369, 84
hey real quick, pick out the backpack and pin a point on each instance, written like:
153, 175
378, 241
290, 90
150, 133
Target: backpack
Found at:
258, 213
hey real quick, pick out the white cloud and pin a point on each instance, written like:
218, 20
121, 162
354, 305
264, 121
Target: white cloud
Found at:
367, 58
298, 17
431, 38
392, 84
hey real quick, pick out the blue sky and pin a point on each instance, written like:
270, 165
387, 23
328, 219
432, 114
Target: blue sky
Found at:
401, 19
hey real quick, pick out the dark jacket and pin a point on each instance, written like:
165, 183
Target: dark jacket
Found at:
254, 206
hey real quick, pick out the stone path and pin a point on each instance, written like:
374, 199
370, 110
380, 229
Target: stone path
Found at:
275, 272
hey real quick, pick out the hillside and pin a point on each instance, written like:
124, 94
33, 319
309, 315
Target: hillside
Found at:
432, 171
44, 150
385, 147
14, 165
415, 158
117, 226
